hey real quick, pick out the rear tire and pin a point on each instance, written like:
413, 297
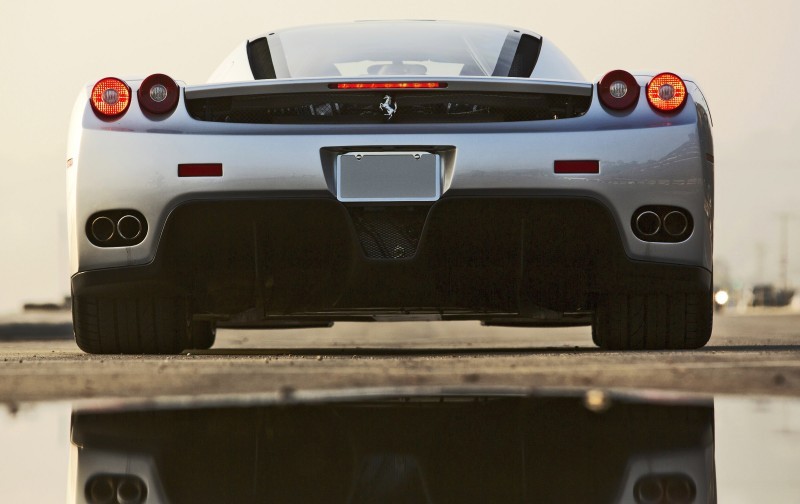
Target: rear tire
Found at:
675, 321
141, 325
204, 334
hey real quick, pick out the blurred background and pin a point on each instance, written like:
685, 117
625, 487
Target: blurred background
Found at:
744, 55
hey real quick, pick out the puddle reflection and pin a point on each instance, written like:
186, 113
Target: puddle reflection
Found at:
400, 450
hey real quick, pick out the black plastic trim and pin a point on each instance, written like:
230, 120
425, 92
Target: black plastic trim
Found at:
526, 56
302, 258
260, 57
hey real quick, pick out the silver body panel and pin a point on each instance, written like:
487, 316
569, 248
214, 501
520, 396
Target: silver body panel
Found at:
645, 159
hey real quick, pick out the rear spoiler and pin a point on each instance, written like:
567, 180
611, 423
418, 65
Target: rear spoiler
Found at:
451, 84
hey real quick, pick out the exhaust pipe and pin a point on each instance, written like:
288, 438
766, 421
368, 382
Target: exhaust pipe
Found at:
129, 227
649, 490
101, 490
103, 229
675, 223
679, 490
648, 223
129, 491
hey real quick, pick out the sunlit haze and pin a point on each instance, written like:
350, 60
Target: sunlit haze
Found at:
744, 55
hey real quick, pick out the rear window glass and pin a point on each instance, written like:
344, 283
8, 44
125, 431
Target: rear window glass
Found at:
391, 48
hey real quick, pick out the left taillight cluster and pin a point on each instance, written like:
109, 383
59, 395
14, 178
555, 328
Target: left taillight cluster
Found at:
618, 90
110, 98
157, 96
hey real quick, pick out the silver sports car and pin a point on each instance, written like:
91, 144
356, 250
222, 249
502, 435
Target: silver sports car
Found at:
382, 171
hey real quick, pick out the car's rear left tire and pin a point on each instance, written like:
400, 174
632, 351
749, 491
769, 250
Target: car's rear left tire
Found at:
661, 321
141, 325
204, 334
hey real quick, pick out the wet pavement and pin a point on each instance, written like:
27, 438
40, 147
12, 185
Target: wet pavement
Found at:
752, 354
402, 412
406, 446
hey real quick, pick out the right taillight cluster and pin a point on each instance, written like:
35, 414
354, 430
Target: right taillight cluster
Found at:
618, 90
157, 96
666, 92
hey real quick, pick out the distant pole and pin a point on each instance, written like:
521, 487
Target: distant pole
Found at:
784, 261
761, 254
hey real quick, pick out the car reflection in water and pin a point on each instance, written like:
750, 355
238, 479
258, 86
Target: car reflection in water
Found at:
579, 449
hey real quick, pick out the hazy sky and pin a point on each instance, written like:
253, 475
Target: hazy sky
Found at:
744, 54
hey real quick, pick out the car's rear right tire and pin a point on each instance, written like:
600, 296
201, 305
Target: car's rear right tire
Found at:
204, 334
661, 321
142, 325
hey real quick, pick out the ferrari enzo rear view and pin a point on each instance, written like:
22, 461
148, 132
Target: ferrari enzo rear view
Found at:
380, 171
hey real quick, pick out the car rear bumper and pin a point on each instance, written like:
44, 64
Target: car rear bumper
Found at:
472, 256
656, 166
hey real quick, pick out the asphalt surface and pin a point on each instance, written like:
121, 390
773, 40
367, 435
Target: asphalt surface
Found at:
754, 353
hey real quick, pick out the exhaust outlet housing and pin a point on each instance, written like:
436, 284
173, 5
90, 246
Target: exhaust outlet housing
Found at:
116, 228
662, 224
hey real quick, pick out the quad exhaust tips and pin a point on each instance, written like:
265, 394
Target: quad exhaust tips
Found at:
116, 228
128, 227
662, 224
670, 488
115, 489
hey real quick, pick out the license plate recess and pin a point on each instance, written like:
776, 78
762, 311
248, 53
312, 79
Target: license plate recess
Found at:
388, 176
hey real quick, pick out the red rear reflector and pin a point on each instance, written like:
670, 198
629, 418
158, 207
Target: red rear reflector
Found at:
200, 170
388, 85
577, 166
110, 98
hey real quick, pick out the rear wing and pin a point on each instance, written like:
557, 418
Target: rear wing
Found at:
451, 84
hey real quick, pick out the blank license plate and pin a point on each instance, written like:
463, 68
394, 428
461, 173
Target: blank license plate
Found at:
388, 176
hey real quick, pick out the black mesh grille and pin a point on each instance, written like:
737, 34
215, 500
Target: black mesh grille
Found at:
346, 107
389, 232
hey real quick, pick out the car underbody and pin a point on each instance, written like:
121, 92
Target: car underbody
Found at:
309, 260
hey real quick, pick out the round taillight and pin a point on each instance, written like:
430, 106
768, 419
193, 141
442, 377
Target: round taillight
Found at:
618, 90
666, 92
158, 94
110, 98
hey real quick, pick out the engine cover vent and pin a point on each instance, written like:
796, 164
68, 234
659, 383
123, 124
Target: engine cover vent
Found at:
417, 107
